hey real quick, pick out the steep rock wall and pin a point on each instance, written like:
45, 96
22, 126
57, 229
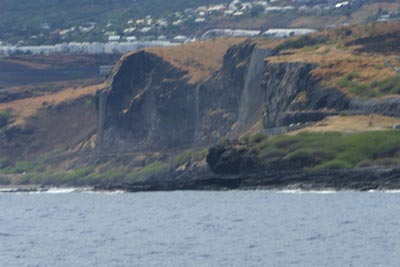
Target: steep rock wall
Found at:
284, 82
292, 96
252, 100
150, 104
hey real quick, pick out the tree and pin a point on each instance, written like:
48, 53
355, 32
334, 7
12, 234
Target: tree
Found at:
256, 10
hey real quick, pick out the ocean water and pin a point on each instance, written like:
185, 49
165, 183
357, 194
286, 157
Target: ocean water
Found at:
235, 228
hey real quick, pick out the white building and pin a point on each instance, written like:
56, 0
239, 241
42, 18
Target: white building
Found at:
145, 29
200, 20
129, 30
83, 48
95, 48
131, 38
282, 33
278, 8
342, 4
114, 38
180, 38
177, 22
216, 8
230, 32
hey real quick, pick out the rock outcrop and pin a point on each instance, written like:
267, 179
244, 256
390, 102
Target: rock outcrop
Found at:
151, 104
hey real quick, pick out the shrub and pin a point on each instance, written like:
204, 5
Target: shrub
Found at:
308, 157
334, 165
4, 163
375, 88
258, 137
21, 167
300, 42
190, 155
331, 150
4, 118
389, 85
148, 171
4, 180
183, 157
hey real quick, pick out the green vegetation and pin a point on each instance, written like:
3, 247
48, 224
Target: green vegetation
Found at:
351, 81
4, 180
148, 171
3, 163
78, 177
327, 150
18, 168
190, 155
87, 176
4, 118
301, 42
35, 173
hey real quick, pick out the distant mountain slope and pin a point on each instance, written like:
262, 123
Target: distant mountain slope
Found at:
25, 15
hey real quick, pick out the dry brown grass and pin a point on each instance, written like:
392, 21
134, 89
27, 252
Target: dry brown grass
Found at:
335, 61
28, 64
337, 58
351, 124
370, 9
316, 21
23, 109
200, 59
268, 43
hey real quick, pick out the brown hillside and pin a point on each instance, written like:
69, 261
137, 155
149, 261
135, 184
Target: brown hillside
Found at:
21, 110
200, 59
360, 60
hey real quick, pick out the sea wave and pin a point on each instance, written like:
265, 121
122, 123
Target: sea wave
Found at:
302, 191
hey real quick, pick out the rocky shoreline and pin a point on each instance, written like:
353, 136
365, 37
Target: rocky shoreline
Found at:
361, 179
376, 178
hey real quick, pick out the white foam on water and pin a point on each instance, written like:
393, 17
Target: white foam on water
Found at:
116, 192
392, 191
57, 190
300, 191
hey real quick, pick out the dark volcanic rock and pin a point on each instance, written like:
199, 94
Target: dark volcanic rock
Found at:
283, 83
385, 106
150, 104
363, 179
383, 43
147, 104
225, 158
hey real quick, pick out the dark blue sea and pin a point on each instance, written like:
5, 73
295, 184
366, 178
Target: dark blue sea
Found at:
234, 228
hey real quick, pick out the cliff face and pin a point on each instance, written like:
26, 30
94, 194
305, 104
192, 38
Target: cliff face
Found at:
293, 96
151, 104
147, 103
283, 83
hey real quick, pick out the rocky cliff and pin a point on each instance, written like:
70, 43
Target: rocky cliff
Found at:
151, 104
161, 112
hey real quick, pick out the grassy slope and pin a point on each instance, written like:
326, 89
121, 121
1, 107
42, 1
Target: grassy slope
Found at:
200, 59
23, 109
344, 64
330, 150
